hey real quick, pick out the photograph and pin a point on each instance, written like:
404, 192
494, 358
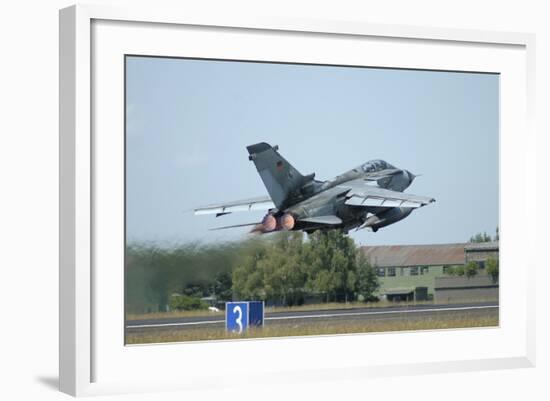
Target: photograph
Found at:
275, 199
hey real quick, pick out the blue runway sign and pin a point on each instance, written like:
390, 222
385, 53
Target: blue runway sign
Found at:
256, 313
236, 316
241, 315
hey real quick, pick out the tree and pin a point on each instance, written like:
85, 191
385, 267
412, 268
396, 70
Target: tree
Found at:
222, 287
479, 237
470, 269
248, 277
285, 272
367, 279
284, 269
331, 257
492, 268
274, 271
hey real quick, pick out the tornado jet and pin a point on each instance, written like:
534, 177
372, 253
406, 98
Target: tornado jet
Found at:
369, 196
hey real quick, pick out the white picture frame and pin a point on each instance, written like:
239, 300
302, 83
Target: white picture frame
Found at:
89, 362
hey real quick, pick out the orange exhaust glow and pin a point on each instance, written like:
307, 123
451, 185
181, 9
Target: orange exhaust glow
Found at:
269, 223
287, 222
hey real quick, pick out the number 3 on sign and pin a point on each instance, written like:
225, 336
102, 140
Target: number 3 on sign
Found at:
236, 318
239, 320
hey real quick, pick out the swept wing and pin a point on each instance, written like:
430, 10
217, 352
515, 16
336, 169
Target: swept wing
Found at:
361, 194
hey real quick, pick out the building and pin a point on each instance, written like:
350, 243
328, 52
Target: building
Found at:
480, 251
404, 269
464, 289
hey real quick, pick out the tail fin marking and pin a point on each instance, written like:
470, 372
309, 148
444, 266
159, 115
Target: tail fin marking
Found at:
280, 178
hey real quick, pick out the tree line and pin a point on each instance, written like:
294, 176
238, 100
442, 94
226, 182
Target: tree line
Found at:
281, 269
484, 237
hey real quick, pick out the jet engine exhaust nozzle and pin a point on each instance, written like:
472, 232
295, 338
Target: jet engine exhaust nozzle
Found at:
286, 222
269, 223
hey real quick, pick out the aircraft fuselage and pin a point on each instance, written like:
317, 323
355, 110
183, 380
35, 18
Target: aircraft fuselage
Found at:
368, 196
328, 198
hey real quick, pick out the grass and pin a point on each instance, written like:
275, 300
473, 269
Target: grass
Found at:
322, 328
172, 314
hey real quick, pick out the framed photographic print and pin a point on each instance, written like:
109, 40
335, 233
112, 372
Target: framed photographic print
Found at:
262, 191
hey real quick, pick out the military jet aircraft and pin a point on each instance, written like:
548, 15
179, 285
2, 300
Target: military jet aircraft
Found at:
369, 196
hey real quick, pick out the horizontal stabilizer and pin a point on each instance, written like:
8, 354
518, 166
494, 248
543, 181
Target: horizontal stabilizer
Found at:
245, 205
330, 220
235, 226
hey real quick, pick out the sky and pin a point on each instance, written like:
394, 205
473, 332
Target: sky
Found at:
188, 123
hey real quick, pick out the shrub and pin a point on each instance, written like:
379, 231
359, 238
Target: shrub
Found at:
470, 269
492, 268
459, 271
186, 302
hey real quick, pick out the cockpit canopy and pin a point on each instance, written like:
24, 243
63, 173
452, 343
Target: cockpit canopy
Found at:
375, 165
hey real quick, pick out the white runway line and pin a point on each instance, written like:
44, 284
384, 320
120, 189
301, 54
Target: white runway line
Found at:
317, 316
379, 312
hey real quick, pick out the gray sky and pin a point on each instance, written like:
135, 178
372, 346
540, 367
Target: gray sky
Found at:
189, 121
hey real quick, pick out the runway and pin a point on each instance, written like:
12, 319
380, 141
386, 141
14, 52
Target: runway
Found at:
374, 314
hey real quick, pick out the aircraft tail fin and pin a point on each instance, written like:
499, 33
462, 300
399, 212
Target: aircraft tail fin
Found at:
280, 178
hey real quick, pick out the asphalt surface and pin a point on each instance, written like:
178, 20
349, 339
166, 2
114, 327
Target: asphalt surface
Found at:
332, 315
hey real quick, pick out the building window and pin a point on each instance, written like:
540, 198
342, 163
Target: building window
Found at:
381, 272
481, 264
391, 272
424, 270
414, 271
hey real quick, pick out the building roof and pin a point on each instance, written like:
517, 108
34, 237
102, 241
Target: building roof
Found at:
481, 246
415, 255
398, 291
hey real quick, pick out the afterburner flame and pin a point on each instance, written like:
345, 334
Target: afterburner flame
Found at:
286, 222
269, 223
